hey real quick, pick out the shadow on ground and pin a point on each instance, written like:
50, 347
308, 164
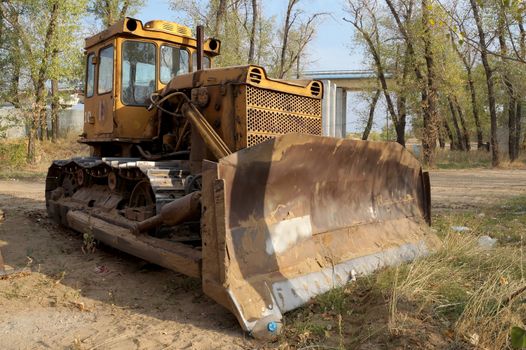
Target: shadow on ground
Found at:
121, 301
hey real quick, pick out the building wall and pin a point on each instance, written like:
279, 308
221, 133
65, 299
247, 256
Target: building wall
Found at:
71, 121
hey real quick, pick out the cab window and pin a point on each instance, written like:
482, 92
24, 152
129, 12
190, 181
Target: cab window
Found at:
105, 81
174, 61
90, 75
138, 72
206, 62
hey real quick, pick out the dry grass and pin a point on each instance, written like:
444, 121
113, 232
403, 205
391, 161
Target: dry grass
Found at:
463, 296
468, 287
447, 159
13, 156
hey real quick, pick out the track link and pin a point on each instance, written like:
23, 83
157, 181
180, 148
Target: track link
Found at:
110, 184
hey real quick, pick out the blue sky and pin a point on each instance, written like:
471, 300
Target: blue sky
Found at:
332, 47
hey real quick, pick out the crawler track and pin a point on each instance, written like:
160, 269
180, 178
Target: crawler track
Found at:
128, 188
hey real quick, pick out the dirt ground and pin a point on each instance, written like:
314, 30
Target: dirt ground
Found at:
465, 189
105, 300
109, 300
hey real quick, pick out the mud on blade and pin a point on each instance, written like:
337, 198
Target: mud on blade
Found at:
295, 216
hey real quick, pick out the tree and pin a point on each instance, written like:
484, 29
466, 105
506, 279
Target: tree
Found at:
370, 119
365, 21
297, 32
248, 36
468, 62
244, 33
430, 105
510, 89
483, 47
253, 37
41, 31
462, 141
429, 95
111, 11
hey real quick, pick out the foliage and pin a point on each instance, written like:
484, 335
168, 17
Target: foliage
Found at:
394, 33
232, 22
42, 43
13, 155
110, 11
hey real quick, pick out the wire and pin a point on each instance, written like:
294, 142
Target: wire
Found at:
157, 103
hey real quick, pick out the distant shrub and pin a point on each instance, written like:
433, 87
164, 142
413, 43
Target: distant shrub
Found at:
13, 154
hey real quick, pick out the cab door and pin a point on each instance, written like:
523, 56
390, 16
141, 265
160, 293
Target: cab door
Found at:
98, 101
104, 103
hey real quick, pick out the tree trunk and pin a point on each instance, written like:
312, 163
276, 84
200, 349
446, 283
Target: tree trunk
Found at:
452, 144
474, 107
495, 156
285, 38
512, 101
520, 97
372, 107
44, 135
124, 9
441, 141
473, 95
465, 133
512, 124
54, 110
518, 127
14, 86
252, 47
459, 140
220, 17
380, 73
32, 137
400, 131
429, 110
401, 99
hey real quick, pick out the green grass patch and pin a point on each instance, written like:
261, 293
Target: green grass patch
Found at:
13, 154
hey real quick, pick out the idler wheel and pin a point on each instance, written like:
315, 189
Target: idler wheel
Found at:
142, 195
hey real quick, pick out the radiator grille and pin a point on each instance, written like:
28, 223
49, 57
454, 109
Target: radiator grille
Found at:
254, 139
272, 113
282, 101
282, 123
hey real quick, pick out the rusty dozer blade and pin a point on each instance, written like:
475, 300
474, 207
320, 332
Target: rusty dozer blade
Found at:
295, 216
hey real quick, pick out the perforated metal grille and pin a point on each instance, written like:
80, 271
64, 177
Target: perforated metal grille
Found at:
261, 120
272, 113
282, 101
254, 139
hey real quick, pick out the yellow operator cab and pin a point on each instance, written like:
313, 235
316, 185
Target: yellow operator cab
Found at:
124, 65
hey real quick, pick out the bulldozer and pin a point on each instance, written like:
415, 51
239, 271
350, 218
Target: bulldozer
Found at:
223, 174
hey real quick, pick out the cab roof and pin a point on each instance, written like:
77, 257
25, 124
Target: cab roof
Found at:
156, 30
